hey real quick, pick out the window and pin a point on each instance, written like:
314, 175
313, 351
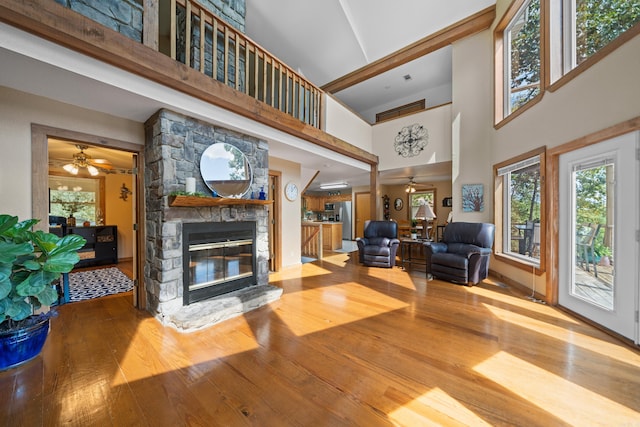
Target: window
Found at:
79, 197
590, 25
520, 213
420, 198
522, 57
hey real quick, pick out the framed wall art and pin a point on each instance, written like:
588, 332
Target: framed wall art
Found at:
472, 198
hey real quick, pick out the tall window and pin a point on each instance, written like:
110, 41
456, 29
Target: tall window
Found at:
521, 184
592, 24
522, 57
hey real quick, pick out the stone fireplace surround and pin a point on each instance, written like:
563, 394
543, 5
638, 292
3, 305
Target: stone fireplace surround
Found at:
173, 146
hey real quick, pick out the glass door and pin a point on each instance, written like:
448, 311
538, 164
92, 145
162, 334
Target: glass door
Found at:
598, 217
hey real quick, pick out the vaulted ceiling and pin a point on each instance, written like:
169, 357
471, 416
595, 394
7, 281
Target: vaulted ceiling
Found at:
325, 40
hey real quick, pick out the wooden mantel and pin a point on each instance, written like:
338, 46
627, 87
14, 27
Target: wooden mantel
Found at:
195, 201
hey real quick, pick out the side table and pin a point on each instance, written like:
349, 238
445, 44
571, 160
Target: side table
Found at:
406, 257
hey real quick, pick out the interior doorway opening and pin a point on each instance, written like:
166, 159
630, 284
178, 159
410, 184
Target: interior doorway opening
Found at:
91, 186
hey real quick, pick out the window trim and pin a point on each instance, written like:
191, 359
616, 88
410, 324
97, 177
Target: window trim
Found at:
552, 74
498, 214
630, 34
500, 48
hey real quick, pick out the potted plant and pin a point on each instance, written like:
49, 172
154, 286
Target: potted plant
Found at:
31, 262
414, 230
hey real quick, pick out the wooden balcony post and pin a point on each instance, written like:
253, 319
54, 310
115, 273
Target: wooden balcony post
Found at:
150, 23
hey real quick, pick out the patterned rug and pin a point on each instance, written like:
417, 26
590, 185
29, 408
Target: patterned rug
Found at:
86, 285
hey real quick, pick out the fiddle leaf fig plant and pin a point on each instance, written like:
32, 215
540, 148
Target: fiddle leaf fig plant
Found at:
30, 263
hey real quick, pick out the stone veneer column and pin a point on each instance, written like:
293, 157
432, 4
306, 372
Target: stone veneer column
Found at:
173, 147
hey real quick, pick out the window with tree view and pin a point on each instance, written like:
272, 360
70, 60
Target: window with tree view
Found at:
521, 208
593, 24
522, 57
77, 197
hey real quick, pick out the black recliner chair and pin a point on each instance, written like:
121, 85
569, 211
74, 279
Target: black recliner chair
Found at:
463, 255
379, 245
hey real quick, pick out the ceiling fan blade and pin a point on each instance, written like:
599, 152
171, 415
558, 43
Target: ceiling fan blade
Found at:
101, 163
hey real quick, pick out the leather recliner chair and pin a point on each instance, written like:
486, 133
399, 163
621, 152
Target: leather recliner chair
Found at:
379, 245
463, 255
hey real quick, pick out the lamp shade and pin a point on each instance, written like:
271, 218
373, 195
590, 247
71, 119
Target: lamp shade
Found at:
425, 212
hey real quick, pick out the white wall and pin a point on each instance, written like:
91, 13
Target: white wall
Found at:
18, 110
290, 222
346, 125
436, 121
471, 123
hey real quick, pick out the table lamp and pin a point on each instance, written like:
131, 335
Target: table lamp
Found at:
426, 214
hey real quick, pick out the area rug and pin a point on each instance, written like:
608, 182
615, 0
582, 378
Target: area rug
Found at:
86, 285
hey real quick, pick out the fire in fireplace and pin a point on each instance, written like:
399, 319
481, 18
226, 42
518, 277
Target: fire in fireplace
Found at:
218, 258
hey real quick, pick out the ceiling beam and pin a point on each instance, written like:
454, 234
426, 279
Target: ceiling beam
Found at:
473, 24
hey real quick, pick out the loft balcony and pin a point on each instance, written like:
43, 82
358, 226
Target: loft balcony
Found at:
182, 46
204, 42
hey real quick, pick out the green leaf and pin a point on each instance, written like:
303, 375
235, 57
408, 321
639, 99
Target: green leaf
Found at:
9, 251
48, 296
7, 222
5, 303
46, 242
35, 283
5, 288
69, 243
32, 265
62, 263
18, 310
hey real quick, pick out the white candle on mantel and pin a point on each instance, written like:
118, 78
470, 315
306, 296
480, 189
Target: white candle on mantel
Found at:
190, 187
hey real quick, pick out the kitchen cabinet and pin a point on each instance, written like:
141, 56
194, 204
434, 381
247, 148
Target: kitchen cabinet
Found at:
331, 235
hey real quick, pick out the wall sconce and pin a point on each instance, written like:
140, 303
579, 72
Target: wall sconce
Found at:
124, 192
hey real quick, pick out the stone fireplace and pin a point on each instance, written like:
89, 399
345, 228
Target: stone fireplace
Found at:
228, 265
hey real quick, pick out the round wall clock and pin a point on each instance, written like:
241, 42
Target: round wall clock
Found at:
291, 191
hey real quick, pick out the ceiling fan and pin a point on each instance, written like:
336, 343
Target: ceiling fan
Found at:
83, 160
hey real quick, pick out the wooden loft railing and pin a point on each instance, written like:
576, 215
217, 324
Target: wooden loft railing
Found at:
206, 43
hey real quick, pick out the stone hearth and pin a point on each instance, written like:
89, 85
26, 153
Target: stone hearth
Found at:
174, 145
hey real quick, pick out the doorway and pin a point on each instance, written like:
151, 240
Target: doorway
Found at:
274, 221
598, 247
119, 189
363, 212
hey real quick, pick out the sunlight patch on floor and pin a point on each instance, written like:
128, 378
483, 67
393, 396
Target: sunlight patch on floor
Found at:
336, 305
521, 302
596, 345
554, 394
438, 406
135, 364
387, 275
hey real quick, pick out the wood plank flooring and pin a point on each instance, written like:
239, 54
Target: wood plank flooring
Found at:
345, 346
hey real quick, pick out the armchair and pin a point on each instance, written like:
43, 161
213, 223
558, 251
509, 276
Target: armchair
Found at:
463, 255
379, 245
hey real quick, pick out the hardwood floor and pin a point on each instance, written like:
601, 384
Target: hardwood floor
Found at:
346, 345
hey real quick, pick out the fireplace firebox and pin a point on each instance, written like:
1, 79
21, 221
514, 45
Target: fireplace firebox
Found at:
218, 258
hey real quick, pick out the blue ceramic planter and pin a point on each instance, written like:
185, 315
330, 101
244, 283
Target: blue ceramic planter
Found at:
18, 347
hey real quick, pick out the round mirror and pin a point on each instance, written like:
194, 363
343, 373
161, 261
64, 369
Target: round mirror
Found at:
226, 170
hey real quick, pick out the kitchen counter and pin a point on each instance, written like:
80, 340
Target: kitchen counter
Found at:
331, 233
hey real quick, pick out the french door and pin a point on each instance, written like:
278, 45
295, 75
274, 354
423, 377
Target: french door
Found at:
598, 240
